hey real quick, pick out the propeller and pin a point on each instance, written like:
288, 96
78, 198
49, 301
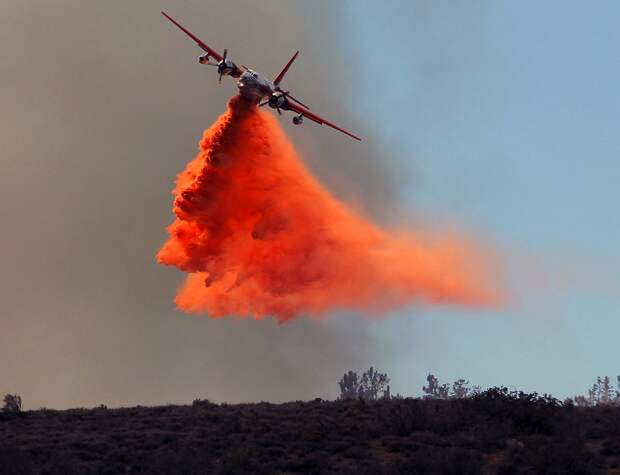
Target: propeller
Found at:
274, 104
223, 63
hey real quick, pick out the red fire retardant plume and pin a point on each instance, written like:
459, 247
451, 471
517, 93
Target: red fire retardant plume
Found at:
258, 235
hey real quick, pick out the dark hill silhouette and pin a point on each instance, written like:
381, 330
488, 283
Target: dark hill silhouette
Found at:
492, 432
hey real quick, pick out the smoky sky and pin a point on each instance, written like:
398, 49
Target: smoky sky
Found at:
102, 105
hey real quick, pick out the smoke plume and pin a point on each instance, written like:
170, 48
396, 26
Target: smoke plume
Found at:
260, 236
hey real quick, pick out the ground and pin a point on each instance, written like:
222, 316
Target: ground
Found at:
492, 433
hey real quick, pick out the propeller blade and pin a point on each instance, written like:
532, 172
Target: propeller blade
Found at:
220, 79
225, 54
263, 104
279, 111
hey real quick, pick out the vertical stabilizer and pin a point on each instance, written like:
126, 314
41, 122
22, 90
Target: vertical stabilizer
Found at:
280, 76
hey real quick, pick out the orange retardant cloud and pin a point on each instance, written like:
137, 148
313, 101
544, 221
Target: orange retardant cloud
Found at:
259, 235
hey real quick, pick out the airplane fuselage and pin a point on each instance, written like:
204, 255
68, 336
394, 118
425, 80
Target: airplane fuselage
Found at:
254, 87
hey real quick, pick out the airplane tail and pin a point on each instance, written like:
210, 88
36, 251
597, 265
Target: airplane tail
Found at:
280, 76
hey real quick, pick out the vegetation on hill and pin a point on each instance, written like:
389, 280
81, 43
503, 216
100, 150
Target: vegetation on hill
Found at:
452, 429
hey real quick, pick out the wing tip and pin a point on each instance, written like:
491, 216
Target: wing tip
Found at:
359, 139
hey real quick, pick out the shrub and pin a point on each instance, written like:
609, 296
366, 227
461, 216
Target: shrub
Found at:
14, 461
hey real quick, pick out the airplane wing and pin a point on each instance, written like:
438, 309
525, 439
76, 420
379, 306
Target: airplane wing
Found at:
210, 51
319, 120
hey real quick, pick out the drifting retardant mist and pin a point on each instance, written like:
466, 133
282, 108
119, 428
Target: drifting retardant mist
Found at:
260, 236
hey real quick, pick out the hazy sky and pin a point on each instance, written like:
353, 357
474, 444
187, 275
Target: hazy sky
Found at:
510, 112
497, 118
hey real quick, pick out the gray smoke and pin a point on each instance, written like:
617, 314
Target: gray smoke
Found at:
103, 103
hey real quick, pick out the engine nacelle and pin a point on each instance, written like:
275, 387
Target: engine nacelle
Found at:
227, 68
298, 119
277, 100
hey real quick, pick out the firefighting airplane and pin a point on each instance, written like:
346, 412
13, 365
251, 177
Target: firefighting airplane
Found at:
256, 88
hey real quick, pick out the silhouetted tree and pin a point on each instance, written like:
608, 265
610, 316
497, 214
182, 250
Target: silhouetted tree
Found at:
371, 386
12, 403
581, 401
434, 390
593, 393
475, 390
386, 393
601, 393
373, 383
460, 389
606, 392
349, 386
